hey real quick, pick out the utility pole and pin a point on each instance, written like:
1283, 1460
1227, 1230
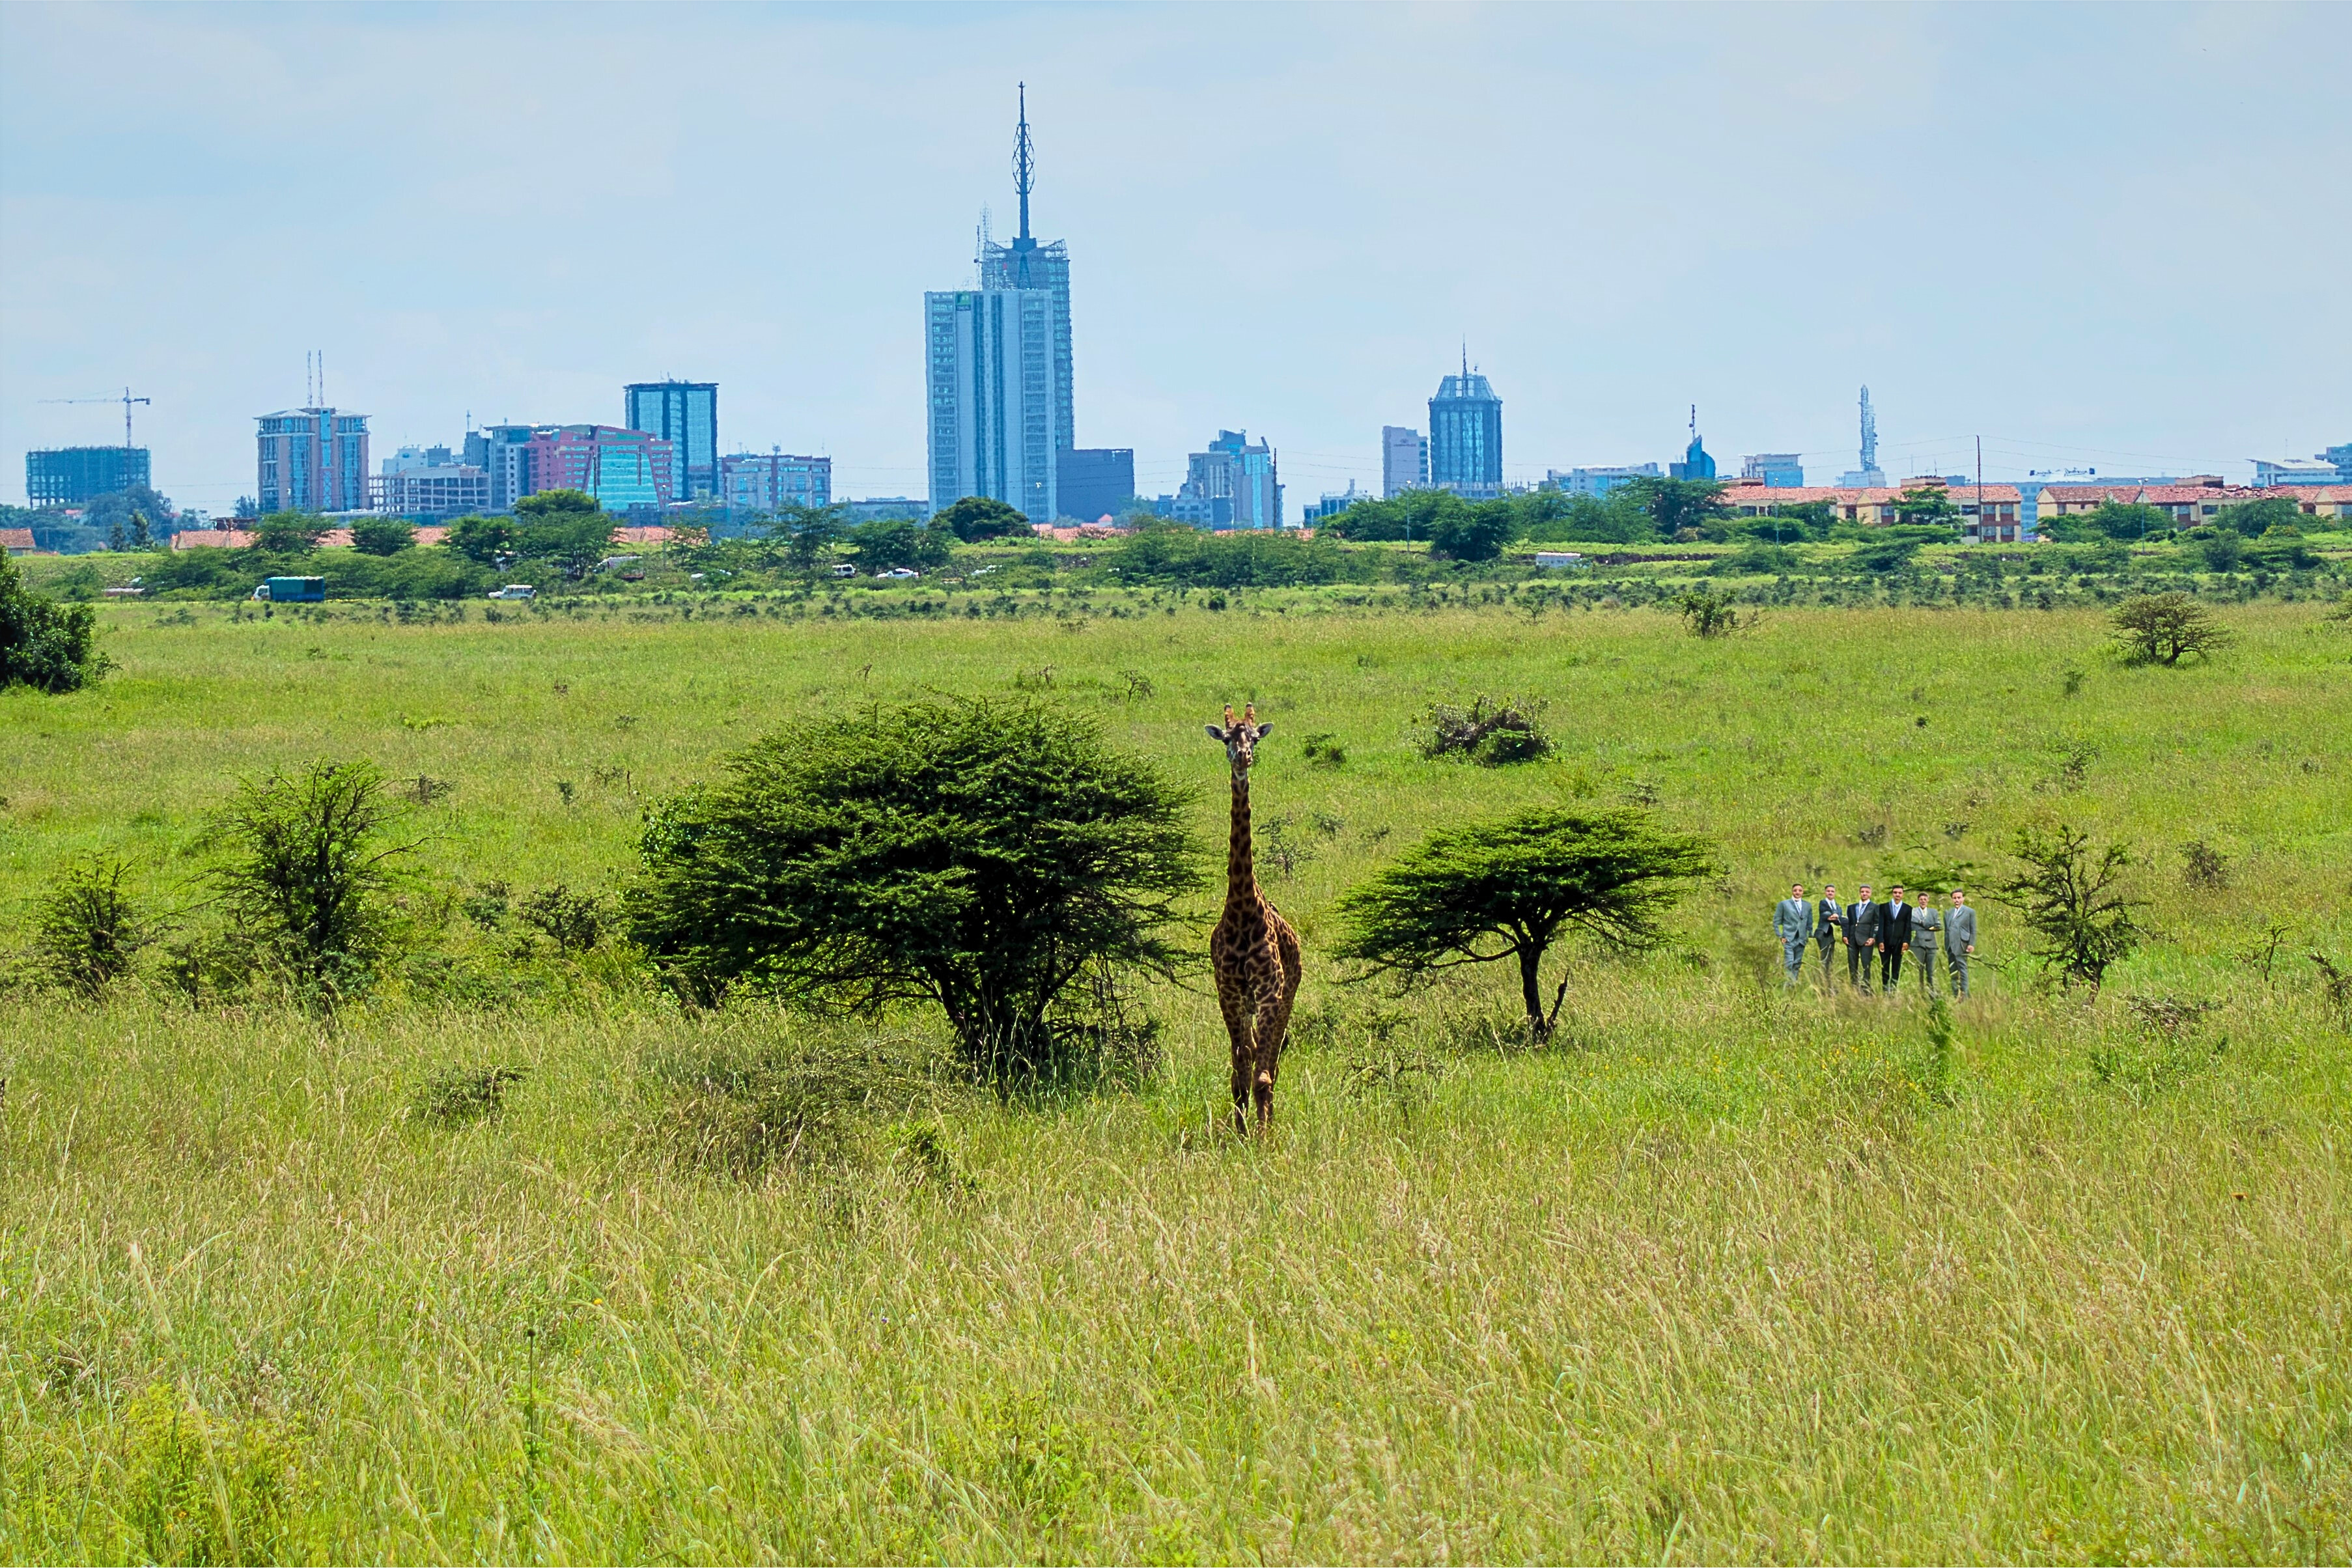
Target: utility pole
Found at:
1979, 489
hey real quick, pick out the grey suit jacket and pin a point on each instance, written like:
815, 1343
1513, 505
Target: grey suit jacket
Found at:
1960, 929
1862, 924
1927, 925
1792, 919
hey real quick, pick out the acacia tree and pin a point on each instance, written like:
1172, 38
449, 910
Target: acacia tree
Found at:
44, 645
1508, 890
2163, 629
2068, 899
979, 856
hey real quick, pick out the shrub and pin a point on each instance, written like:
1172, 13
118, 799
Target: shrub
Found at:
1489, 732
743, 1106
463, 1094
47, 645
305, 870
381, 536
978, 517
1707, 614
288, 533
2162, 628
200, 1488
89, 927
573, 922
1323, 751
976, 855
1498, 890
2070, 900
2204, 865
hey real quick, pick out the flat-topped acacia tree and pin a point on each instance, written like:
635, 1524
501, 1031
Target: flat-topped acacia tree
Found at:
977, 855
1489, 892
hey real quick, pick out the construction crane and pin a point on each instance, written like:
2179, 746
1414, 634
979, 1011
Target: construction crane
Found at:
126, 400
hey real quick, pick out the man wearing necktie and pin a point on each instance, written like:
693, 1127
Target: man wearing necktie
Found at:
1894, 936
1793, 922
1861, 940
1828, 916
1959, 940
1926, 935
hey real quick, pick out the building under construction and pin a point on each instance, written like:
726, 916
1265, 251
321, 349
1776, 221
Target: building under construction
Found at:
73, 476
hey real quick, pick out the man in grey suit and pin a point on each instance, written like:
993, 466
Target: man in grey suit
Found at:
1861, 939
1959, 940
1827, 915
1926, 935
1793, 922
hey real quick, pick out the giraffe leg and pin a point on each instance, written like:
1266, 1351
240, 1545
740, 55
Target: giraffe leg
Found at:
1238, 1029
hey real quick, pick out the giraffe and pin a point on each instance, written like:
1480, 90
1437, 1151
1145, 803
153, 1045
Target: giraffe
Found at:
1252, 951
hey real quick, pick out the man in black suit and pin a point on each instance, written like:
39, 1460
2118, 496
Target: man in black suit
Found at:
1861, 939
1829, 914
1894, 936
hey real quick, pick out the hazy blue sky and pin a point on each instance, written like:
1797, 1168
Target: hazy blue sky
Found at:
2114, 235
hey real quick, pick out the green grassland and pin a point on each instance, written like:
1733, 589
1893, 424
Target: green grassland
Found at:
1726, 1271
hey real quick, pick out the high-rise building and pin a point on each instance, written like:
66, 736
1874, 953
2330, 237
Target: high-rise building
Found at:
685, 415
1331, 504
1869, 476
769, 481
429, 482
1025, 264
1231, 485
1779, 471
994, 404
503, 452
1696, 463
312, 459
623, 470
2323, 469
1465, 436
1404, 460
69, 476
1096, 482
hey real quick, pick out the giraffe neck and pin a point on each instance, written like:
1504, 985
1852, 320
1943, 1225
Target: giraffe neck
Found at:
1241, 870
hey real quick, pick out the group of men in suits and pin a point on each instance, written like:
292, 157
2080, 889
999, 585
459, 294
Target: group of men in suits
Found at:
1887, 930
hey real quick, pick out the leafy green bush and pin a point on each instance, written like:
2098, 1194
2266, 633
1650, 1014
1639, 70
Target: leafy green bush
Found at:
306, 871
88, 928
977, 856
47, 645
201, 1488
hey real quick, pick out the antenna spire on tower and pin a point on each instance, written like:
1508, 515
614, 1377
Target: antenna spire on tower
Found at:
1025, 162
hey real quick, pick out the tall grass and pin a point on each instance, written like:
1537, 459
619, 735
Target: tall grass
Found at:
1724, 1272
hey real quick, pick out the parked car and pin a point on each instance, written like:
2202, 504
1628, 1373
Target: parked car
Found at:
900, 572
844, 569
292, 590
515, 591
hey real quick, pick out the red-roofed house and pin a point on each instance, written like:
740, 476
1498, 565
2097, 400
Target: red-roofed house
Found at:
17, 540
1880, 504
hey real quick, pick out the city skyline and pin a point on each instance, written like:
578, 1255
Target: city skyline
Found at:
1237, 221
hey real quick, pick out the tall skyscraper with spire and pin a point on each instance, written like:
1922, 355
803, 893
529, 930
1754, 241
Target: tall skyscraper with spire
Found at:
999, 369
1025, 264
1466, 435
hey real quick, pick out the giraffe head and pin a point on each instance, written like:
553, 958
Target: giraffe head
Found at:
1241, 739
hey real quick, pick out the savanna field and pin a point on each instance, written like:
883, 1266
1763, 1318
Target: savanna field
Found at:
1723, 1271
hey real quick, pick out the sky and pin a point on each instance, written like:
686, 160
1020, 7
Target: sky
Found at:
2107, 237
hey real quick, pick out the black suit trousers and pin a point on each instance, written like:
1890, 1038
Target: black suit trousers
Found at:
1890, 968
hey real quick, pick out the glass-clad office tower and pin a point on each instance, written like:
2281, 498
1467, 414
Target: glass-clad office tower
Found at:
1025, 264
1466, 436
994, 402
685, 415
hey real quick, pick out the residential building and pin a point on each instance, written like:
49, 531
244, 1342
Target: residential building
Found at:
1231, 485
2341, 456
1466, 436
1780, 470
19, 540
1332, 505
503, 452
312, 459
1598, 482
1990, 514
624, 469
685, 415
769, 481
414, 488
2196, 500
1404, 460
1096, 482
69, 476
1025, 264
995, 404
